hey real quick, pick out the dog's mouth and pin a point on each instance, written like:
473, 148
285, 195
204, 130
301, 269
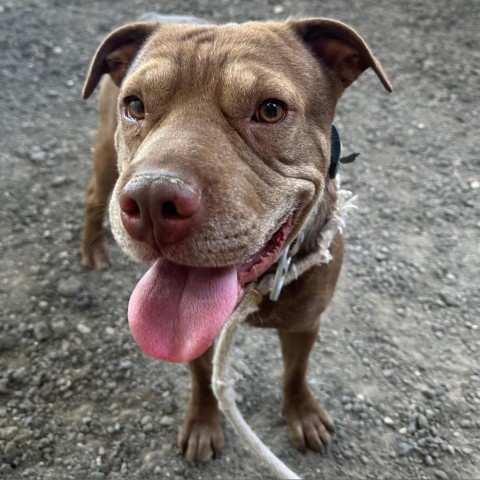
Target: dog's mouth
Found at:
176, 311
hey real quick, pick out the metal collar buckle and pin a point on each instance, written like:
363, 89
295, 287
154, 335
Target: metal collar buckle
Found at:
283, 266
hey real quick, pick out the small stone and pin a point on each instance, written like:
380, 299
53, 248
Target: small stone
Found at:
37, 154
59, 328
5, 468
277, 9
348, 454
388, 421
84, 329
440, 474
43, 305
41, 331
126, 365
404, 449
84, 301
448, 298
7, 342
465, 423
52, 93
429, 413
146, 419
429, 461
170, 406
67, 237
11, 452
8, 433
403, 431
364, 459
422, 421
4, 388
167, 421
19, 375
429, 393
70, 287
59, 181
148, 428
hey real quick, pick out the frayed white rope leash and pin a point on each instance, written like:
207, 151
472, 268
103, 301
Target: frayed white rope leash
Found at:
223, 378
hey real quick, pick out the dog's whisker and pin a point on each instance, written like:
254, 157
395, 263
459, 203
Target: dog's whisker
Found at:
93, 238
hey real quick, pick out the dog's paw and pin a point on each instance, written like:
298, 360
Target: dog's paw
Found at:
309, 425
94, 254
201, 439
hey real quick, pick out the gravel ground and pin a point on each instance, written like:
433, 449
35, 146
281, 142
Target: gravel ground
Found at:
397, 362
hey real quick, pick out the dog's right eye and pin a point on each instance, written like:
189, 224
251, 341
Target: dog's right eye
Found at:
134, 108
270, 111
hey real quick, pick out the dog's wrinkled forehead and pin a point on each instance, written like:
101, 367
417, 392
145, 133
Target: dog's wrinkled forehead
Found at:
244, 58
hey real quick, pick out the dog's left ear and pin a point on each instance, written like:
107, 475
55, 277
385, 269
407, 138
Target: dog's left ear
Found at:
340, 48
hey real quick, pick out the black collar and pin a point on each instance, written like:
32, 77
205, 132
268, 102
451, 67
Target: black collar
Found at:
335, 151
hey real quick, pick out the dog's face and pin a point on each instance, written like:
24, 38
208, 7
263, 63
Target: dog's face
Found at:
242, 112
227, 128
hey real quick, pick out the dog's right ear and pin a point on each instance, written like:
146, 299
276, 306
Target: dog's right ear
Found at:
116, 53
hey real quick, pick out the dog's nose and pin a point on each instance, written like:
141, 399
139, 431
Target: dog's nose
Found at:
158, 208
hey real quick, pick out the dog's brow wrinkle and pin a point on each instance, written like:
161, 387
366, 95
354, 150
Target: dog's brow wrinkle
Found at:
203, 35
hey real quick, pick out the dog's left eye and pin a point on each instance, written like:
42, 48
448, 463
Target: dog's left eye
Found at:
270, 111
134, 108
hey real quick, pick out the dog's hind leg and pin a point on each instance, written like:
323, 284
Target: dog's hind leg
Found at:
93, 242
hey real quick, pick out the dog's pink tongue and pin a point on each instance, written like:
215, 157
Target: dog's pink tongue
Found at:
175, 312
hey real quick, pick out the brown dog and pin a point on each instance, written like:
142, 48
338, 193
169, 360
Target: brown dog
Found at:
221, 135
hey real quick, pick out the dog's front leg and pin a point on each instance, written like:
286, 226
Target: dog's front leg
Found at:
309, 425
201, 437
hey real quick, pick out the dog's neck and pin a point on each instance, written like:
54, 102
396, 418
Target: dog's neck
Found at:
306, 246
319, 217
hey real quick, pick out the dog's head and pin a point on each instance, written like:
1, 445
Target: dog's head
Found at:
223, 144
